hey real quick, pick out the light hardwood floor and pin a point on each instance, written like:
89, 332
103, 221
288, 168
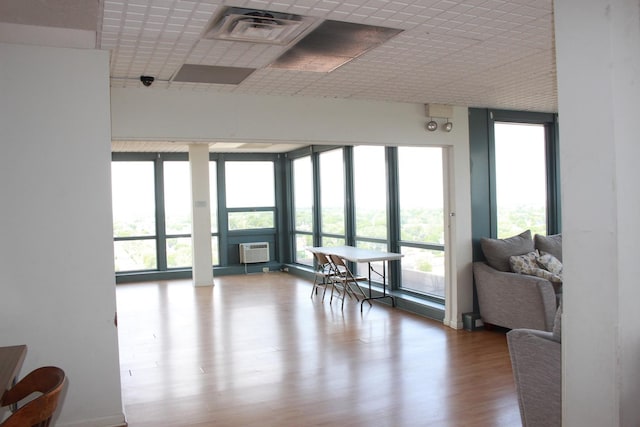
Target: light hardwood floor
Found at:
256, 350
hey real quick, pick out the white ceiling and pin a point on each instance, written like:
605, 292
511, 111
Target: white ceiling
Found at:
476, 53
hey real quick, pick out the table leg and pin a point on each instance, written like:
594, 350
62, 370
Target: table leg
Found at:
384, 287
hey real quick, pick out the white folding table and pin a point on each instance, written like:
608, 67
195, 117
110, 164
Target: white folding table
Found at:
354, 254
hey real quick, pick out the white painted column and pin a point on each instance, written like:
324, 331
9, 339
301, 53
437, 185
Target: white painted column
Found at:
598, 57
201, 215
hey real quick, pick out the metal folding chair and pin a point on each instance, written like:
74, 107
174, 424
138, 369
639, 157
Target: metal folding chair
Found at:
345, 280
323, 272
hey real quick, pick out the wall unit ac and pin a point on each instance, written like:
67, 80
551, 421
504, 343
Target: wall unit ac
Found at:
254, 252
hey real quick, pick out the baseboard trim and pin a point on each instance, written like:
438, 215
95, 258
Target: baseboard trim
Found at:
112, 421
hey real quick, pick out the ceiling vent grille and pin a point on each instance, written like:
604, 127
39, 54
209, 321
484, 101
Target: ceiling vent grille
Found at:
258, 26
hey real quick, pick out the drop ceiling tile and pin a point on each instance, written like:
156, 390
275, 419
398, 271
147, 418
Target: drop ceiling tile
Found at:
464, 50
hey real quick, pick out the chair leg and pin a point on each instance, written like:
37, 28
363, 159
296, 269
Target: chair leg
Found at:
314, 288
325, 290
338, 289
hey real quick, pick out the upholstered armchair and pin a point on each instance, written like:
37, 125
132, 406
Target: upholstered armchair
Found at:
526, 298
536, 363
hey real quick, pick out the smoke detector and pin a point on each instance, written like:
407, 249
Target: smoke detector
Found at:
257, 26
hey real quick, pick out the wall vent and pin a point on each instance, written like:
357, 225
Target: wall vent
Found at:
254, 252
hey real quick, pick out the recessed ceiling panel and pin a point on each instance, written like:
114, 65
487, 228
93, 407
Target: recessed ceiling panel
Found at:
77, 14
193, 73
333, 44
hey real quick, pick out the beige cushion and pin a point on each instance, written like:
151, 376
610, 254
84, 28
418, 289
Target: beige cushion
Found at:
549, 244
541, 272
524, 264
497, 251
550, 263
528, 264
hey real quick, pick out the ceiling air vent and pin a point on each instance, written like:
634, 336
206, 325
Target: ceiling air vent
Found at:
257, 26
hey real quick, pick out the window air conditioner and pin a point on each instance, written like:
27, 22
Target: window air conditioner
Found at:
254, 252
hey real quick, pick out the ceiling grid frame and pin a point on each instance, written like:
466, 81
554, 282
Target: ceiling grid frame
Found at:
475, 53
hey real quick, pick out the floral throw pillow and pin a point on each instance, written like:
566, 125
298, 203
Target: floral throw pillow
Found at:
550, 263
529, 264
540, 272
524, 264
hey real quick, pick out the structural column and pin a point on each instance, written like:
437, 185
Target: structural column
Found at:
201, 215
598, 91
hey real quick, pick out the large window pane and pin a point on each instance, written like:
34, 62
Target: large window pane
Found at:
215, 251
213, 195
332, 241
423, 271
133, 195
370, 191
303, 256
251, 220
521, 183
249, 184
421, 194
135, 255
179, 252
332, 192
303, 194
177, 198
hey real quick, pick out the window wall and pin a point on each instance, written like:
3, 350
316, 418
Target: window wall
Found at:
421, 206
370, 194
370, 202
515, 174
152, 210
177, 213
134, 215
521, 178
332, 197
250, 194
381, 198
213, 202
302, 200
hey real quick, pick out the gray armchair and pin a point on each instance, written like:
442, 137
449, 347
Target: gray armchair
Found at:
536, 363
514, 300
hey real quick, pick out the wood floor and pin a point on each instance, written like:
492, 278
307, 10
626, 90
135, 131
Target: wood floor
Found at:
256, 350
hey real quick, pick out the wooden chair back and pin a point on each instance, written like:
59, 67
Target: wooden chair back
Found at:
48, 381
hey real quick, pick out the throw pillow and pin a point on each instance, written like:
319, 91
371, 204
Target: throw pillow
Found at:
497, 251
524, 264
550, 263
528, 264
549, 244
553, 278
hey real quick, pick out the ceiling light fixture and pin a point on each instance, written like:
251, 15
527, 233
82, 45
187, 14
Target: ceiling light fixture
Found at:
439, 111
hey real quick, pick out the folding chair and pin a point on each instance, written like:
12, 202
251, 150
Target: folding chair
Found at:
323, 272
346, 280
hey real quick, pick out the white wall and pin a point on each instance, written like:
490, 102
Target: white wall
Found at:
599, 88
161, 114
57, 288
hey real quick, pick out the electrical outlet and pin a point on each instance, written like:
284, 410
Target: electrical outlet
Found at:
265, 269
